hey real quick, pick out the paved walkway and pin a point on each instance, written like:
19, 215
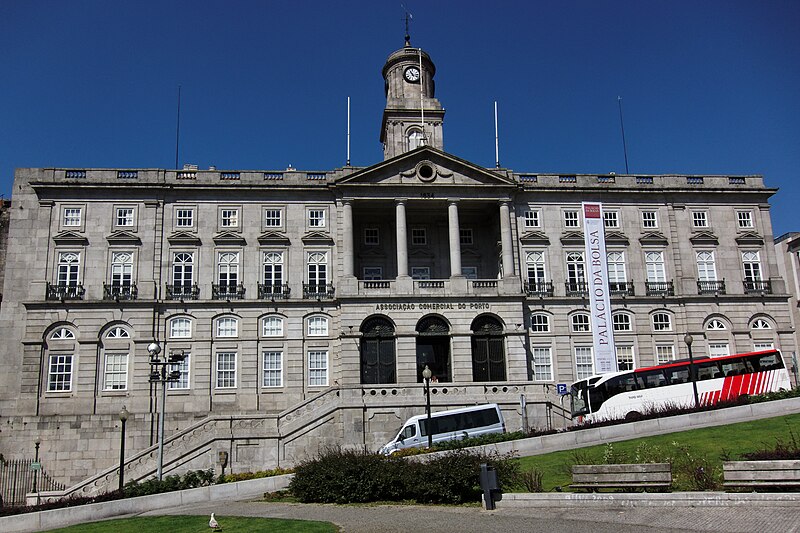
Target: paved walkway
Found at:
614, 519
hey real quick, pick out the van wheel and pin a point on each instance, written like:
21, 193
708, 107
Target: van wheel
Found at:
633, 415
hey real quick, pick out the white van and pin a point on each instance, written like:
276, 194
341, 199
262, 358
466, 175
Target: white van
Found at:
447, 425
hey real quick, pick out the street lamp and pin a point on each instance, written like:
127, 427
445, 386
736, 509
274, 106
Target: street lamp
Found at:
123, 418
688, 339
426, 374
160, 373
36, 443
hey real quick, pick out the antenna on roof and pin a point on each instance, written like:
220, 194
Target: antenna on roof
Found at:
348, 131
496, 139
178, 129
622, 127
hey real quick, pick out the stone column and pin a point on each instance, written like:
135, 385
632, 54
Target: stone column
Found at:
347, 239
402, 239
455, 238
505, 239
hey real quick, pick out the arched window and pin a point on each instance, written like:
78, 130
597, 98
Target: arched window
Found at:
273, 326
662, 322
621, 322
433, 348
118, 332
540, 323
180, 328
716, 324
227, 326
377, 352
318, 326
415, 139
62, 334
760, 323
580, 323
488, 351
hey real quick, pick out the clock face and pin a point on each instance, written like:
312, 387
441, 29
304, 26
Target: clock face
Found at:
411, 74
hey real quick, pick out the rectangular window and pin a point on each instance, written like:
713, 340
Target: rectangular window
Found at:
419, 237
611, 219
420, 273
744, 219
316, 218
625, 358
540, 323
542, 364
226, 370
532, 219
718, 349
469, 272
229, 218
116, 371
571, 219
662, 322
72, 217
621, 322
706, 266
124, 217
273, 218
68, 268
59, 374
273, 270
180, 328
273, 369
649, 219
183, 269
183, 373
654, 261
371, 236
751, 263
373, 273
584, 362
184, 217
228, 269
758, 346
318, 270
465, 236
318, 368
665, 354
121, 269
699, 219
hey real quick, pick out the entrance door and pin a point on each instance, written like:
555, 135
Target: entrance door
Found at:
433, 349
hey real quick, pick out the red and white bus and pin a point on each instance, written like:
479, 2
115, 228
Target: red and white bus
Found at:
631, 393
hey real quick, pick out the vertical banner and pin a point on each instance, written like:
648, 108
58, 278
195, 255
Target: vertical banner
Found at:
605, 358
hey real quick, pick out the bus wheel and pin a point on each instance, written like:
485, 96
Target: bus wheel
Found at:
633, 415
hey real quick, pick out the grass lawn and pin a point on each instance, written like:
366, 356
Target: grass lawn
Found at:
706, 447
199, 524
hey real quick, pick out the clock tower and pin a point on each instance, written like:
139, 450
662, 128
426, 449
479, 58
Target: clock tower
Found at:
412, 117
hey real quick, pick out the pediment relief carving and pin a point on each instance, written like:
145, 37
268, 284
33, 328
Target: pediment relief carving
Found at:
750, 238
184, 237
704, 237
274, 237
317, 237
572, 237
70, 237
419, 252
229, 237
535, 238
123, 237
654, 237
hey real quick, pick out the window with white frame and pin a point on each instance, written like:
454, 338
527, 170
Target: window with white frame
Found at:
621, 322
183, 373
272, 326
184, 217
751, 263
116, 371
540, 323
662, 322
180, 328
469, 272
228, 268
124, 217
272, 370
69, 264
760, 323
576, 273
759, 346
580, 323
318, 269
718, 349
317, 326
465, 236
226, 370
121, 269
62, 334
273, 218
542, 363
650, 219
534, 261
665, 353
316, 218
419, 236
611, 219
59, 373
229, 217
706, 266
744, 220
373, 273
118, 332
654, 262
183, 269
372, 236
318, 368
72, 217
716, 324
584, 362
532, 218
699, 219
571, 218
420, 273
625, 358
616, 270
227, 326
273, 270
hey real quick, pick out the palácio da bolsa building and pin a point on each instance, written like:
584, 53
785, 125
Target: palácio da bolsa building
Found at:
307, 303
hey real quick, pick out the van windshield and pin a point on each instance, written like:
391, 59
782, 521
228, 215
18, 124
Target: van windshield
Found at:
408, 432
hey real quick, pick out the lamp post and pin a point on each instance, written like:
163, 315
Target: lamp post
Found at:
36, 444
426, 374
123, 418
160, 373
688, 339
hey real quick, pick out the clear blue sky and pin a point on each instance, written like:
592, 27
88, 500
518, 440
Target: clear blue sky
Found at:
708, 86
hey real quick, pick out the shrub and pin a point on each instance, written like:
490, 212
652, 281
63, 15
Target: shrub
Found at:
244, 476
531, 480
190, 480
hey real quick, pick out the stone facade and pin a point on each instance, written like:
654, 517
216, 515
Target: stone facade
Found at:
308, 302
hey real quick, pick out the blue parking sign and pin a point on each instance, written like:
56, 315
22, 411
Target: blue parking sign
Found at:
561, 388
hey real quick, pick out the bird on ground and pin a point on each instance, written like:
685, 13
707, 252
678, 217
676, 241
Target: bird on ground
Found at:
213, 524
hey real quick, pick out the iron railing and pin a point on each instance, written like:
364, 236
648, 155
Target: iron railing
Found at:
539, 288
120, 292
229, 291
318, 290
188, 291
621, 288
64, 292
758, 287
659, 288
576, 288
17, 478
711, 287
277, 291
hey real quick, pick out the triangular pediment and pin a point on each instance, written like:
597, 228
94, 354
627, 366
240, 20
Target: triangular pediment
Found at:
184, 237
229, 237
70, 237
704, 237
274, 238
616, 237
750, 238
572, 237
317, 237
654, 238
427, 166
535, 238
420, 252
372, 253
470, 253
123, 237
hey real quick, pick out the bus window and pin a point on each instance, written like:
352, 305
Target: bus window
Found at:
769, 361
619, 384
651, 378
677, 375
734, 368
708, 370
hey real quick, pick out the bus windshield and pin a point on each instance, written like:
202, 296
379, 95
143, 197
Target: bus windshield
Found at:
579, 398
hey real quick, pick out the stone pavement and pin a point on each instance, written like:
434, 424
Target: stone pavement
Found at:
743, 518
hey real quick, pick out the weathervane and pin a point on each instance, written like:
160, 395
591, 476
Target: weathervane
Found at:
408, 17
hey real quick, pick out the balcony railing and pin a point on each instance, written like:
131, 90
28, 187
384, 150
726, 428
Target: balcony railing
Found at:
539, 288
711, 287
64, 292
189, 291
484, 283
758, 287
376, 284
576, 288
278, 291
621, 288
120, 292
659, 288
318, 291
229, 291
